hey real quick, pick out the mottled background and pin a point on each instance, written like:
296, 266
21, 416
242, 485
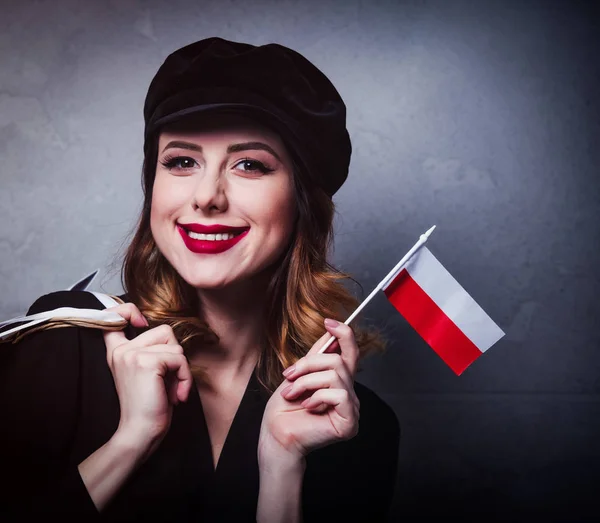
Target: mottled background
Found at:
481, 117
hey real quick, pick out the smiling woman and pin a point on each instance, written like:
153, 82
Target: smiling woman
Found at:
215, 403
233, 176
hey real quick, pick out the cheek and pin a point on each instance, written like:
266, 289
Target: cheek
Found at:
280, 212
163, 205
166, 199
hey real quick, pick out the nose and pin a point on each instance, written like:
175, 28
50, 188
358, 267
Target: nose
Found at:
210, 192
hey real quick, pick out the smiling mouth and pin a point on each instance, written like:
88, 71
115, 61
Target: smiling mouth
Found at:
211, 233
212, 237
214, 241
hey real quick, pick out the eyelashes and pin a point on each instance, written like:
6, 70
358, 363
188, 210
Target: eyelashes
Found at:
255, 165
185, 163
172, 162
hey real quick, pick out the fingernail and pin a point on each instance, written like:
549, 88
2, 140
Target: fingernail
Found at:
146, 321
286, 390
331, 323
289, 370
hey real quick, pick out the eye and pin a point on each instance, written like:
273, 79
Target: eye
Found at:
253, 166
178, 162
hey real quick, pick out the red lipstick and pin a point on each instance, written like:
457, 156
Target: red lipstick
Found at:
210, 246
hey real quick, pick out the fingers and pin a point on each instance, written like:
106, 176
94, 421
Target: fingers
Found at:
319, 343
339, 399
158, 335
348, 352
176, 364
344, 340
117, 342
156, 349
329, 381
129, 312
326, 380
319, 371
166, 361
135, 356
348, 346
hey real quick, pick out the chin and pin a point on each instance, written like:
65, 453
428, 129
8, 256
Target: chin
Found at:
205, 281
219, 280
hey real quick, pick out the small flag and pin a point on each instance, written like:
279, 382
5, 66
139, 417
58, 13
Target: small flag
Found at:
441, 311
435, 304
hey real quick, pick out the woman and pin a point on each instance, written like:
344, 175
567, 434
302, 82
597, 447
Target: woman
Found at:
215, 403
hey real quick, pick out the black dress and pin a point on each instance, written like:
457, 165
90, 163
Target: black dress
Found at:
58, 405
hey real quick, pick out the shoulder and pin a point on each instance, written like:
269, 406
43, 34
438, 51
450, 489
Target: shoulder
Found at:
373, 450
378, 434
54, 300
375, 414
47, 357
52, 382
44, 370
361, 471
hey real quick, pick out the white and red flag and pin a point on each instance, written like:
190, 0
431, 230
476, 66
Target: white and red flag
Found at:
437, 307
441, 311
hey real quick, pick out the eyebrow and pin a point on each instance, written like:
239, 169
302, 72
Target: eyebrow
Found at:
233, 148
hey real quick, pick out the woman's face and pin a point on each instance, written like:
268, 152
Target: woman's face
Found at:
223, 205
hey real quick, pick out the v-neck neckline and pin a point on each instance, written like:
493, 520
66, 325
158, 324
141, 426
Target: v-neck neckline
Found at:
236, 476
252, 387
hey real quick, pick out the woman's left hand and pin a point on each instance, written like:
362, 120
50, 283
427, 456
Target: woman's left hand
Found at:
316, 404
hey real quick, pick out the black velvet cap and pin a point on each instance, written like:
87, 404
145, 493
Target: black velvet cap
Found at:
271, 83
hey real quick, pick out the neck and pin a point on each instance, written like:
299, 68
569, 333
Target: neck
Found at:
236, 315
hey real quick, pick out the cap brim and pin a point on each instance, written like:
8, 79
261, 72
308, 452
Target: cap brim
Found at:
274, 121
260, 114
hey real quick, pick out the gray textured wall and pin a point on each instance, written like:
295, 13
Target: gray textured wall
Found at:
480, 117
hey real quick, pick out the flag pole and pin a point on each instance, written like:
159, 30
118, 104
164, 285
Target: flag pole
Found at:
390, 276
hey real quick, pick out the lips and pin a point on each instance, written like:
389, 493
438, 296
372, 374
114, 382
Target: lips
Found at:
211, 246
212, 229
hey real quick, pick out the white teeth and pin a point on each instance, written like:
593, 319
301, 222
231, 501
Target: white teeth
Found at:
210, 237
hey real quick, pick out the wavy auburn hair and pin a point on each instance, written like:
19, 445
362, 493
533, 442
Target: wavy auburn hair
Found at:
304, 288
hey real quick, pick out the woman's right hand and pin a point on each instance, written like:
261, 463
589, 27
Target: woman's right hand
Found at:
151, 375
